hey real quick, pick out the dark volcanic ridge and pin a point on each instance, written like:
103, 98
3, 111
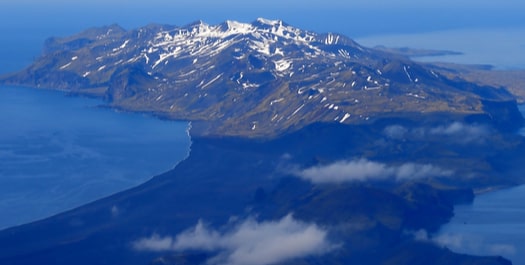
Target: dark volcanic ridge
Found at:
257, 79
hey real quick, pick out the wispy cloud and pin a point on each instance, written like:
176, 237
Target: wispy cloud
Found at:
466, 243
248, 243
458, 132
363, 170
473, 244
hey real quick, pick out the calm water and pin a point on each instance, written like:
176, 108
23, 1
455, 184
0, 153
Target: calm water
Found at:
503, 48
59, 152
493, 225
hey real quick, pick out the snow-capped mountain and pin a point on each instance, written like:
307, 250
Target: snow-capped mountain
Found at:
259, 78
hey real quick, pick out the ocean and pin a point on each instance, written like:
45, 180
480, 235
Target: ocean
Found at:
493, 225
58, 152
503, 48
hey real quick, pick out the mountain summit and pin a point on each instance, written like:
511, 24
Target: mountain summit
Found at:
249, 79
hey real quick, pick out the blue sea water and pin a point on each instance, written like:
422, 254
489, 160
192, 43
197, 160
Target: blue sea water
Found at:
59, 152
493, 225
503, 48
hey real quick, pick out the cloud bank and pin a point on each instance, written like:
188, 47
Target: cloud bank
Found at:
457, 132
364, 170
248, 243
467, 243
473, 244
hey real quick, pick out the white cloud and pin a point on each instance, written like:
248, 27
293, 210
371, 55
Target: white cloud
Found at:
473, 244
154, 243
458, 129
396, 132
466, 243
502, 249
248, 243
458, 132
419, 235
363, 170
114, 211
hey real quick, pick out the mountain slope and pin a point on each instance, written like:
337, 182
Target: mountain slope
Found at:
259, 79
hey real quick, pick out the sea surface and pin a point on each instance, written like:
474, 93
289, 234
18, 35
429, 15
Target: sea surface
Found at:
493, 225
58, 152
503, 48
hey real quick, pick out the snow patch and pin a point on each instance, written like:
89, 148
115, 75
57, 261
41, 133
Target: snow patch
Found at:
269, 22
276, 101
416, 96
372, 88
344, 53
407, 73
282, 65
65, 66
124, 44
347, 115
297, 110
211, 81
279, 51
331, 39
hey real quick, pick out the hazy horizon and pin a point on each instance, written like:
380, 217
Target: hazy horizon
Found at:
355, 19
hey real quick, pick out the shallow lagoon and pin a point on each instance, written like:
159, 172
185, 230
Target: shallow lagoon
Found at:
59, 152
